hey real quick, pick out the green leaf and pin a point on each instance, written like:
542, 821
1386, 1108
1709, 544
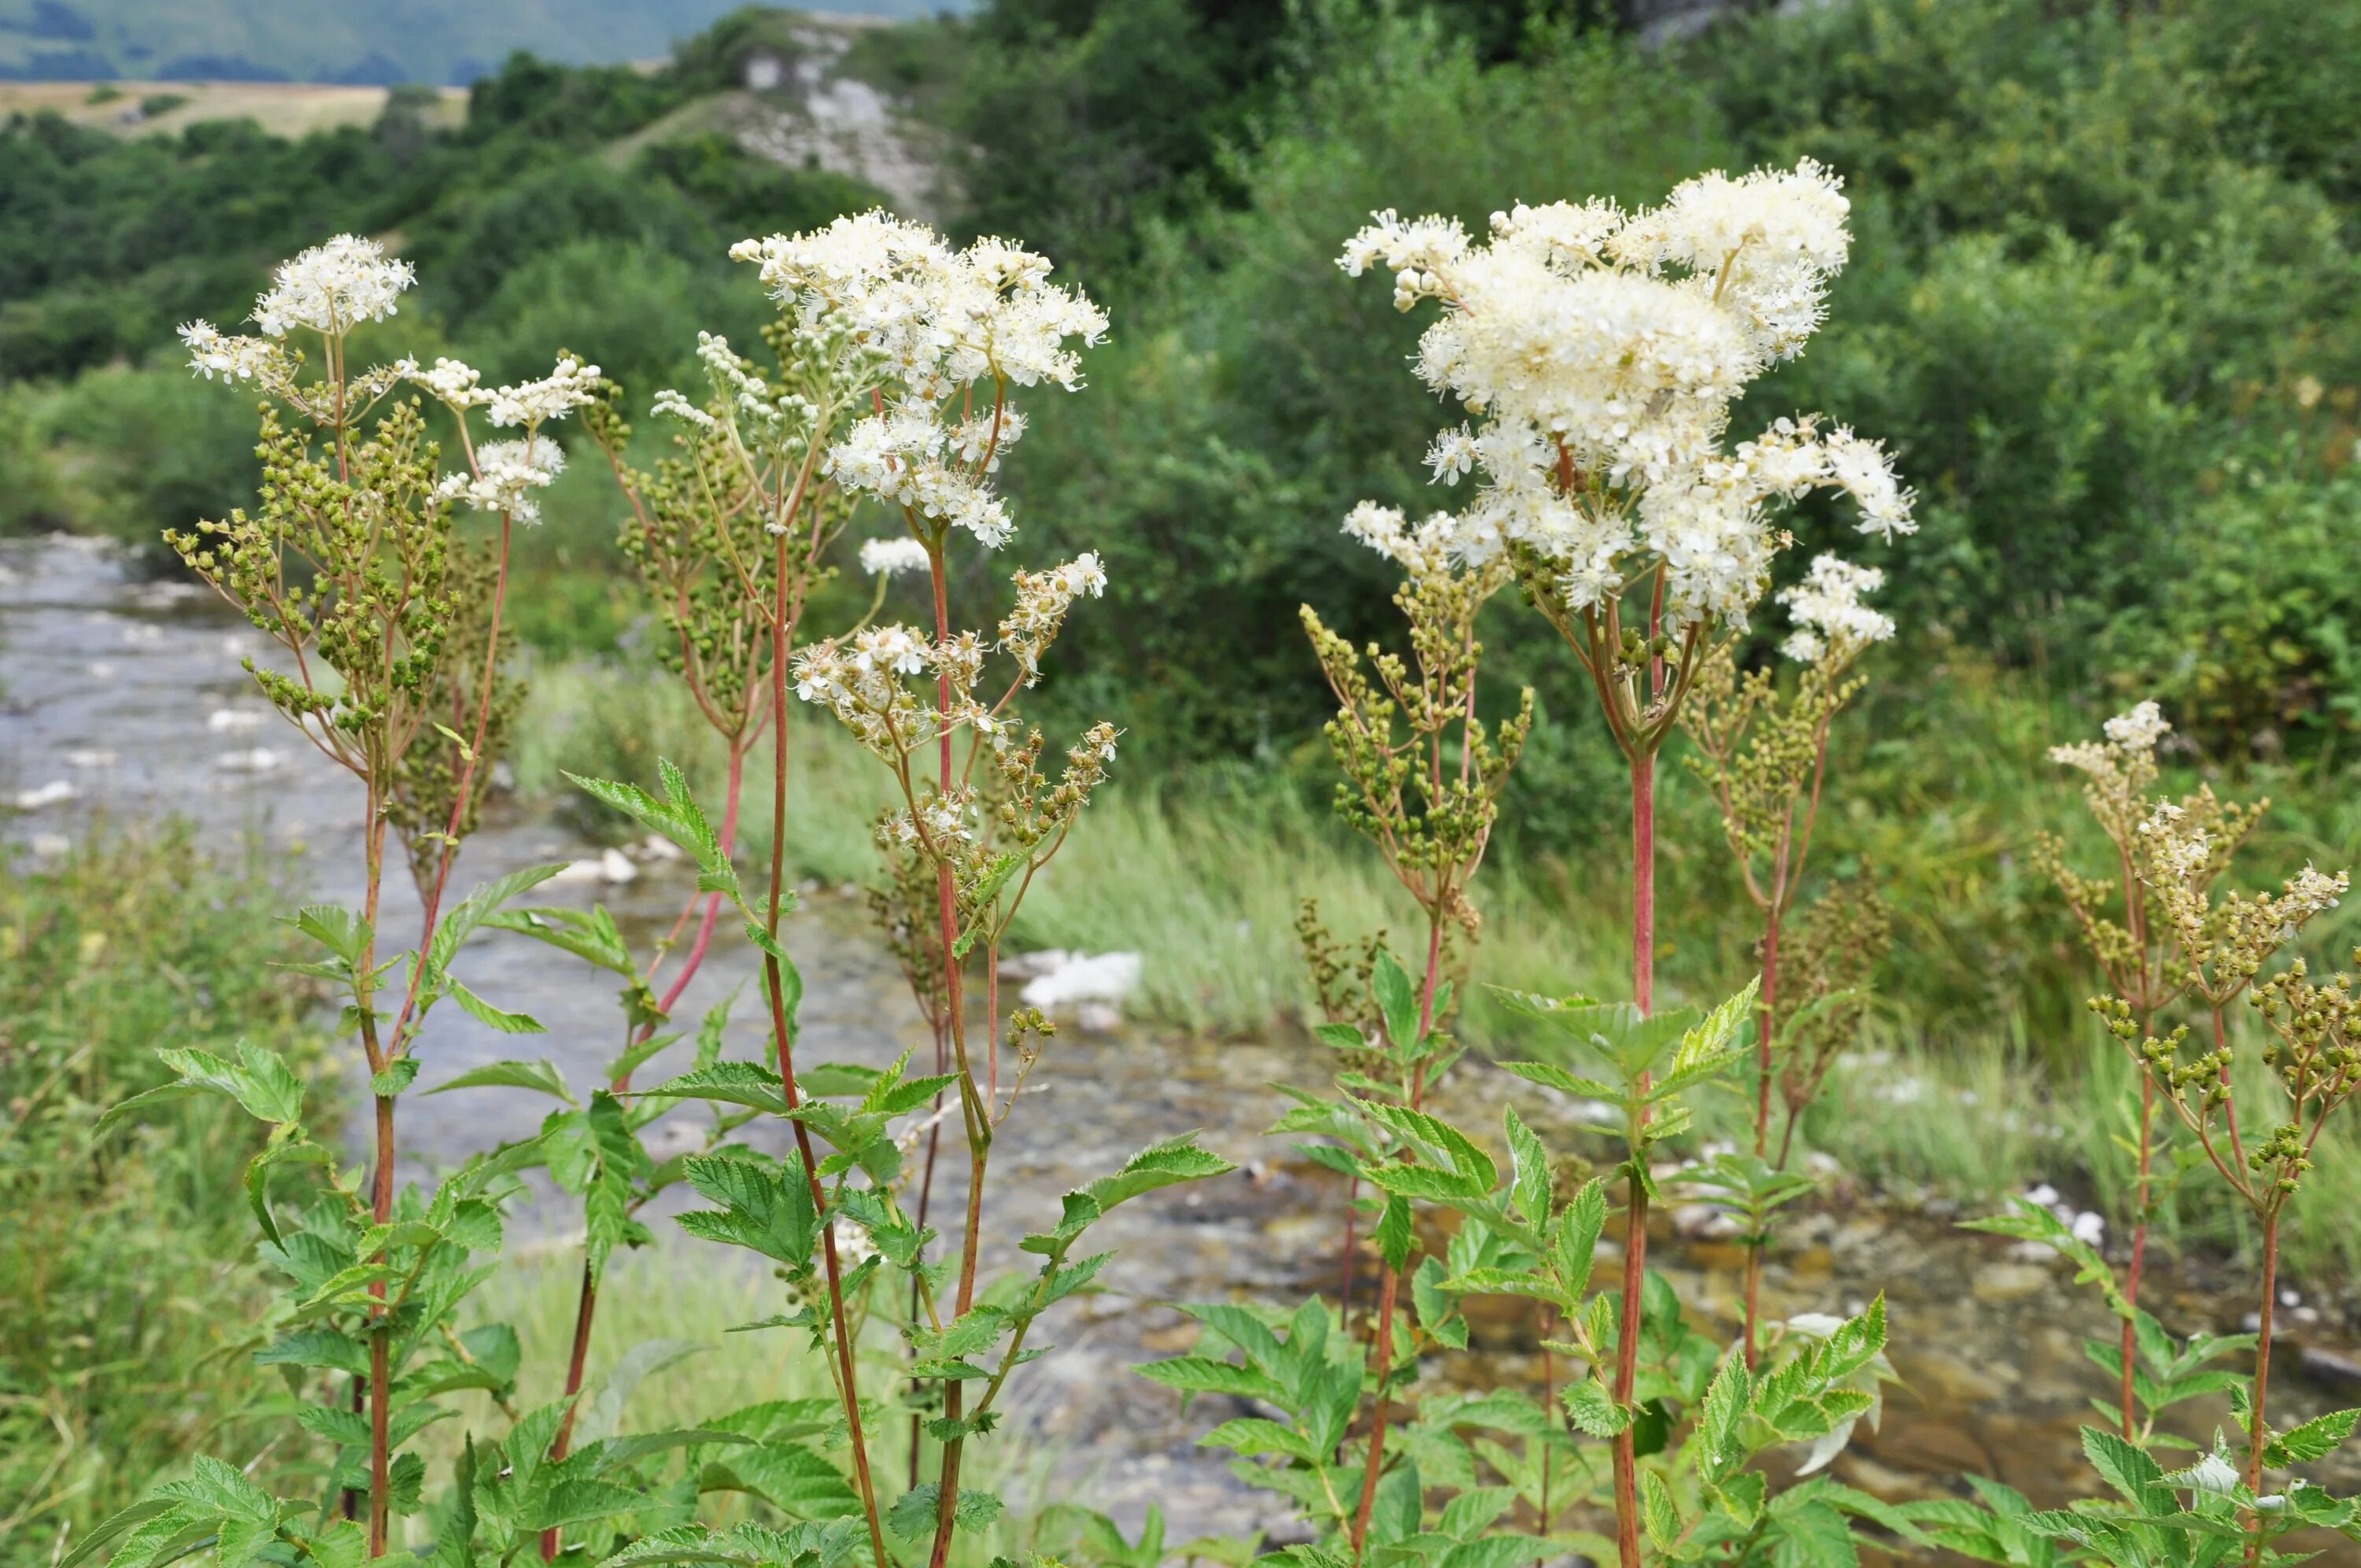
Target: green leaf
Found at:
1164, 1164
541, 1075
732, 1082
258, 1081
762, 1207
1394, 1233
1530, 1185
1593, 1409
588, 934
1248, 1436
914, 1513
1203, 1374
1574, 1244
1657, 1512
1397, 999
787, 1476
460, 924
399, 1075
114, 1527
341, 931
2316, 1439
2127, 1468
744, 1545
491, 1017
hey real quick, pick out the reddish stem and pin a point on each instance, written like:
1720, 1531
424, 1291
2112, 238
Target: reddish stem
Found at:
1391, 1280
1754, 1245
2259, 1438
979, 1136
2139, 1249
848, 1385
1635, 1242
587, 1306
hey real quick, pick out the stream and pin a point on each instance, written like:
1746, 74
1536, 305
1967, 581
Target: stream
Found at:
121, 700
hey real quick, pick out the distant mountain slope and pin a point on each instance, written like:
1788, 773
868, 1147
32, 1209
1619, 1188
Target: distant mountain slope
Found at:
379, 41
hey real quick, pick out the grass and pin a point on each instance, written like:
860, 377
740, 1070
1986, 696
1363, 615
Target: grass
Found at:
129, 1299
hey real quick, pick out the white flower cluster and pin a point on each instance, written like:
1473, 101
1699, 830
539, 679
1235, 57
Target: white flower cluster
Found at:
507, 476
891, 557
1603, 351
2179, 849
1829, 615
1042, 601
861, 682
2140, 729
931, 323
2126, 759
900, 457
1418, 551
2312, 891
212, 353
533, 403
449, 381
332, 288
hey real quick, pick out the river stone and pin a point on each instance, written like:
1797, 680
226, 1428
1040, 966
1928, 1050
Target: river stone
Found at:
2008, 1281
1951, 1377
1909, 1441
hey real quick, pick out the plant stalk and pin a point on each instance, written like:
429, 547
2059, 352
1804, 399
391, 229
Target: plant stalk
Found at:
774, 985
1635, 1242
2258, 1438
1389, 1283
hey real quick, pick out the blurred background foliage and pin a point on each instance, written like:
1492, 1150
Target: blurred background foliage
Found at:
2103, 306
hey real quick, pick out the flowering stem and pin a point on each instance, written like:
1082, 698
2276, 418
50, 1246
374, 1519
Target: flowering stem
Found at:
1762, 1125
978, 1124
2140, 1246
587, 1305
779, 1024
2258, 1437
1635, 1241
1390, 1281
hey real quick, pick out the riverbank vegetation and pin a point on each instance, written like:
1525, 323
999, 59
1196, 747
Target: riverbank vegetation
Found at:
2103, 319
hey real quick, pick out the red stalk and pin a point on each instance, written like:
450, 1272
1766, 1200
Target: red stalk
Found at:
1389, 1281
1635, 1243
2260, 1436
2139, 1245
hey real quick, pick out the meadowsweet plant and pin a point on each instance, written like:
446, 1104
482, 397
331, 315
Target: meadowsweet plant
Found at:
1598, 353
2137, 949
388, 654
898, 354
1422, 780
950, 334
2179, 950
1763, 753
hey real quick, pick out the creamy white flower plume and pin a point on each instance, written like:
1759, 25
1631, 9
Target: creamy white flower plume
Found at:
1602, 352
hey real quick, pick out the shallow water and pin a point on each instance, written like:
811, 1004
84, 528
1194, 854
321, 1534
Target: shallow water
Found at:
112, 687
